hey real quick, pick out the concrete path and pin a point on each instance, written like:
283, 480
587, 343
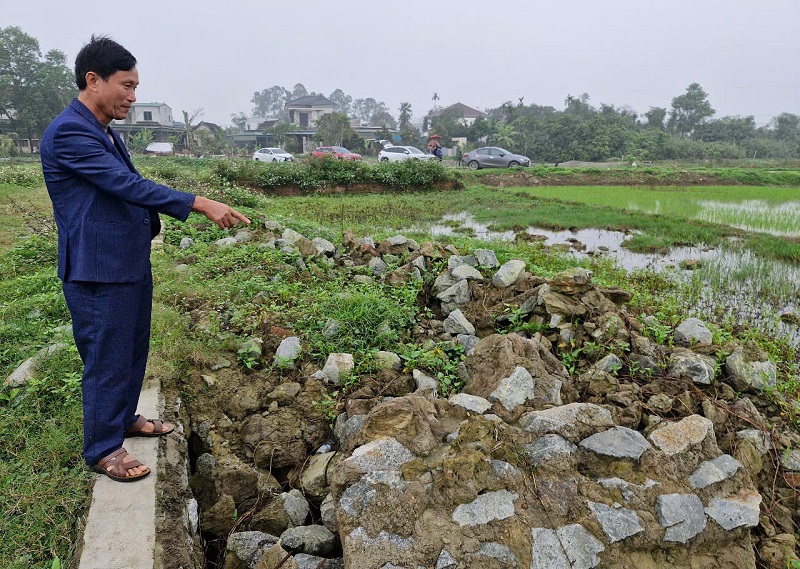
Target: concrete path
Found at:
120, 530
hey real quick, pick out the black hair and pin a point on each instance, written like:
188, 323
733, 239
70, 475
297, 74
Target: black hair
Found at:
104, 56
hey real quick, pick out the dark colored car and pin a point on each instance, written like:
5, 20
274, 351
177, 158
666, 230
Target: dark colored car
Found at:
493, 157
338, 152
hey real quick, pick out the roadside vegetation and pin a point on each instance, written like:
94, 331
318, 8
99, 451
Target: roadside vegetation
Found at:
220, 297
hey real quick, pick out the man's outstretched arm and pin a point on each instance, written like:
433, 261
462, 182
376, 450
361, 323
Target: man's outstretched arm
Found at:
221, 214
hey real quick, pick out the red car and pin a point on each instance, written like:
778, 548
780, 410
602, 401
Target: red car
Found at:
338, 152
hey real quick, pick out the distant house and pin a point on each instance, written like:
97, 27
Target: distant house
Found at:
305, 111
252, 134
24, 145
459, 111
155, 117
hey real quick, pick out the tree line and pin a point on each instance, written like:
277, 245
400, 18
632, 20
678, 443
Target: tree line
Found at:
35, 87
580, 131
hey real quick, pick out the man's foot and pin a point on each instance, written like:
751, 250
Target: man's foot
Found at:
121, 466
149, 428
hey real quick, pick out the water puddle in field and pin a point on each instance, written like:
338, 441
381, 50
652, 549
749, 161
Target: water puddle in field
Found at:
733, 283
464, 224
600, 242
583, 242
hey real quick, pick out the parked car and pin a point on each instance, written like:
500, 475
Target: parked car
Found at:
493, 157
397, 153
338, 152
272, 155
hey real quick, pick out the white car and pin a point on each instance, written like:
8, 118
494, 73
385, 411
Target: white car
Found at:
272, 155
397, 153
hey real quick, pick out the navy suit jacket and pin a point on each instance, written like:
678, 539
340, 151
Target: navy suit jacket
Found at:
106, 212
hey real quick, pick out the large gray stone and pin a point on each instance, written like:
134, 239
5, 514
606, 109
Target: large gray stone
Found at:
327, 511
710, 472
737, 511
457, 293
515, 389
619, 442
485, 508
378, 266
573, 421
457, 323
346, 428
698, 368
324, 247
455, 261
682, 515
693, 331
549, 547
508, 274
249, 546
465, 272
424, 382
486, 258
288, 351
336, 367
381, 454
760, 439
748, 373
314, 540
617, 523
296, 507
549, 446
471, 403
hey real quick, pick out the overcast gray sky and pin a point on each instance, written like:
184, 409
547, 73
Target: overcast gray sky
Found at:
641, 54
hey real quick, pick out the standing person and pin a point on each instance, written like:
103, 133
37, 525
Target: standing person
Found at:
107, 214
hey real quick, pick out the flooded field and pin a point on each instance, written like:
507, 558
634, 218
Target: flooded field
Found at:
724, 283
754, 215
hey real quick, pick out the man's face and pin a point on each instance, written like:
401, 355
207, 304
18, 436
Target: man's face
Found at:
114, 96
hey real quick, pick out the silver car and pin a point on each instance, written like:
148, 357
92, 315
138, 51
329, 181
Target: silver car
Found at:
493, 157
398, 153
272, 155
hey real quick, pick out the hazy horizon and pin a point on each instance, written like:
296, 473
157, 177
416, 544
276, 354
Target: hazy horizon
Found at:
625, 53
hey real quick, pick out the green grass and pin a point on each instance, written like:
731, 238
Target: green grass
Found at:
228, 294
762, 208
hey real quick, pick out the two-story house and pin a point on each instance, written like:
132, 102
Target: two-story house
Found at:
305, 111
155, 117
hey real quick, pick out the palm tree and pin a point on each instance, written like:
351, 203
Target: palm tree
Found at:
504, 135
405, 115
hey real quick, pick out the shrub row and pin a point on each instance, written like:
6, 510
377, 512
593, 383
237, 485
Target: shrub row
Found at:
24, 175
313, 174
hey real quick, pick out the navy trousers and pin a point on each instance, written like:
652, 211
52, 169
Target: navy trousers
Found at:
111, 326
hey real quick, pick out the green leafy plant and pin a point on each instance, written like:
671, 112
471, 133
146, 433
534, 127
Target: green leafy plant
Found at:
328, 405
440, 360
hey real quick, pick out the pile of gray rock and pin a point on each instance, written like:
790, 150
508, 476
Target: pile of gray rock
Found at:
639, 455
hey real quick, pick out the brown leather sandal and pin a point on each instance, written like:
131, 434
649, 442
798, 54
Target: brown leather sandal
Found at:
159, 430
115, 467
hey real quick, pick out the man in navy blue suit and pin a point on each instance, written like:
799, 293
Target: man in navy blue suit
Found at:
107, 214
